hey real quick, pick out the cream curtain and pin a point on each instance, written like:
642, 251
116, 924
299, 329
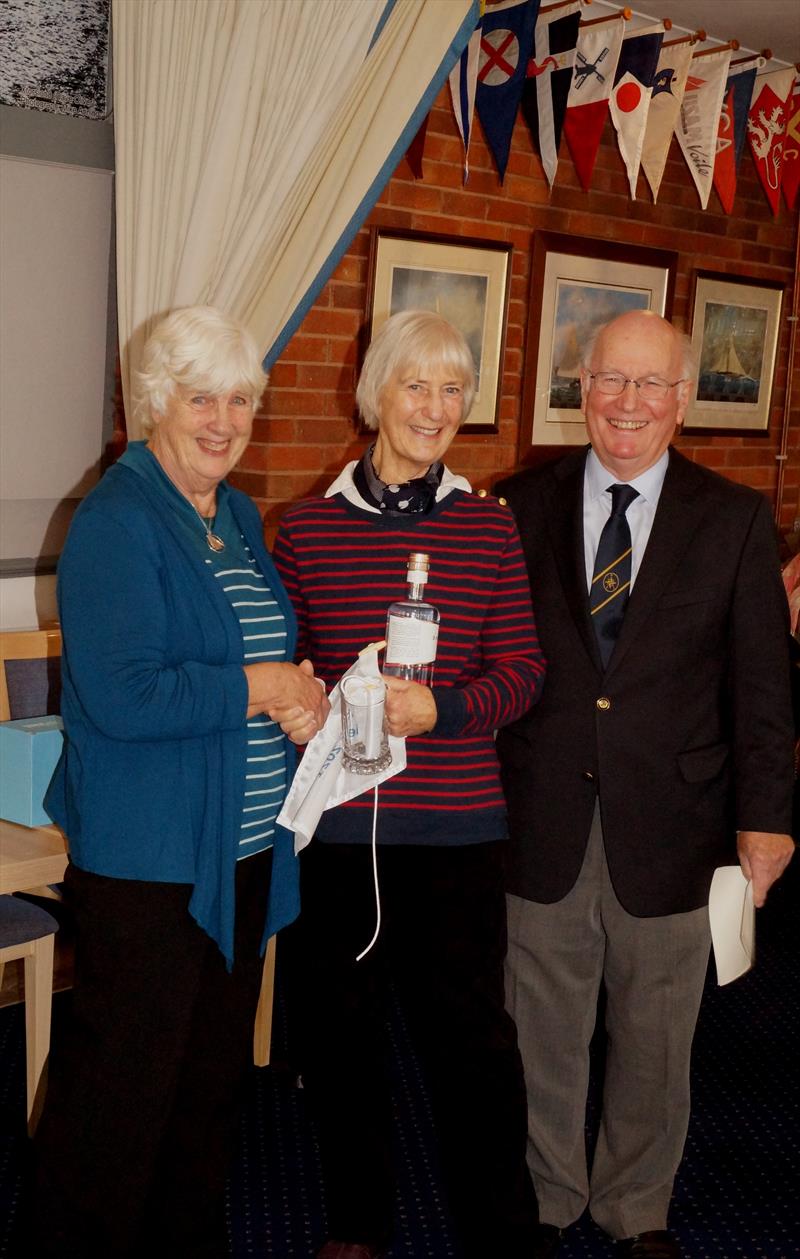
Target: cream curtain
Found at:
253, 137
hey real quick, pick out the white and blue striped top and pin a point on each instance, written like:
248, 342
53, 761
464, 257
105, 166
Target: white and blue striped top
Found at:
264, 639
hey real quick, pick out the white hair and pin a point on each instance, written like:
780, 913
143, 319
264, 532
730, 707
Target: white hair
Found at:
413, 341
201, 349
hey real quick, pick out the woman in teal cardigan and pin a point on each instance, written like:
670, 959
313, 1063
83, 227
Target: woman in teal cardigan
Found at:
177, 639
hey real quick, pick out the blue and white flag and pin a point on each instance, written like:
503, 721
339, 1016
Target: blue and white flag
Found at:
463, 80
505, 50
549, 74
666, 95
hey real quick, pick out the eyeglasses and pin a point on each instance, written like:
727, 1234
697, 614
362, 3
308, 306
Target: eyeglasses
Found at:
651, 388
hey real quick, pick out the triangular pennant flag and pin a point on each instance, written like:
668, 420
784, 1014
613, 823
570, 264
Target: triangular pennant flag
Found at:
596, 58
416, 149
463, 78
732, 130
506, 45
698, 119
669, 83
549, 74
791, 149
630, 96
766, 127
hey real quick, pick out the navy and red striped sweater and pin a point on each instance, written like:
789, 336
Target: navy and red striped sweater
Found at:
343, 563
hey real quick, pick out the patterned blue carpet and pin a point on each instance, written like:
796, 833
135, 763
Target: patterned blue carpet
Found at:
737, 1195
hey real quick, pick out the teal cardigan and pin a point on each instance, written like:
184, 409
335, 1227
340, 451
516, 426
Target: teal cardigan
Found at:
154, 699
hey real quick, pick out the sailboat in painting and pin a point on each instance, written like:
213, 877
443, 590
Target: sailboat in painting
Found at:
725, 379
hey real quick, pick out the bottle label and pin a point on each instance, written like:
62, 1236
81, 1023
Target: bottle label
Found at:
410, 641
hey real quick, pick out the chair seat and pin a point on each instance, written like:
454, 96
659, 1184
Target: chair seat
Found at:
20, 921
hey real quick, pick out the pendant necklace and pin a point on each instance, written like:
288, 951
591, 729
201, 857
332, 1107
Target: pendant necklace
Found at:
213, 540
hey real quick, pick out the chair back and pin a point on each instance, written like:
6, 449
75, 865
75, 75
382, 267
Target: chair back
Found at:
30, 673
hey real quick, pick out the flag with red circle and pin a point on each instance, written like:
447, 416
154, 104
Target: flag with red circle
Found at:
630, 98
506, 45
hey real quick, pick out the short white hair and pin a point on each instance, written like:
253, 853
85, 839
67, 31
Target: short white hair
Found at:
201, 349
413, 342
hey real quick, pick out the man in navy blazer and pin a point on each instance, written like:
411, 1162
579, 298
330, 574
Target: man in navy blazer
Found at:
630, 782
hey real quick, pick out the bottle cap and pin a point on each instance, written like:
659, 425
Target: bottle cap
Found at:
419, 562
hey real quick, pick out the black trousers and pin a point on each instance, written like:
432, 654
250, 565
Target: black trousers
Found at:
134, 1144
442, 945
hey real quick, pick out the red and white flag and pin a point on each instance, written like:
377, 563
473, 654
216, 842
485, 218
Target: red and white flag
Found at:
665, 103
630, 97
766, 128
596, 57
790, 181
698, 118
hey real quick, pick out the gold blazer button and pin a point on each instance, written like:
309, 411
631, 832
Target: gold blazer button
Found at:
604, 703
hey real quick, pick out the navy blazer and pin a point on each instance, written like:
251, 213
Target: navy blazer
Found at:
686, 736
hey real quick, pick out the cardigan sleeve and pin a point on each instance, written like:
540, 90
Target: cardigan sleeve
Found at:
119, 610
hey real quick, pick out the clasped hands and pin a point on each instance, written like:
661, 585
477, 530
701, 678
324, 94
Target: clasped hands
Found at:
410, 708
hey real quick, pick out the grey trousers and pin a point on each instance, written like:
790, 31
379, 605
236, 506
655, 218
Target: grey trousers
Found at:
654, 970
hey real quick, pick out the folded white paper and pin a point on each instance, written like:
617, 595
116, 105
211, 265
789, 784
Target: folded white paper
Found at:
321, 781
732, 917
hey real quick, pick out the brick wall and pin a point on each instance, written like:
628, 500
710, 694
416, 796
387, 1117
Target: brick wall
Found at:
306, 430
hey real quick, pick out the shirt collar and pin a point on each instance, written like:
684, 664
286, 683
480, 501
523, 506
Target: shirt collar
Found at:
597, 478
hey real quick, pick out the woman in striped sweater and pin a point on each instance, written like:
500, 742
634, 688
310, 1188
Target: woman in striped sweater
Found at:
178, 638
440, 823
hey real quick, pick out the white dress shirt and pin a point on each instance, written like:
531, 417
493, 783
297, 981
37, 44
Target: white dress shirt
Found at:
597, 481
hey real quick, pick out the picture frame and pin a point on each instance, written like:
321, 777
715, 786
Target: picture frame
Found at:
578, 284
466, 279
735, 333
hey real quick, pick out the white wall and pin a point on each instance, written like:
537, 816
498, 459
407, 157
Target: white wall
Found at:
57, 340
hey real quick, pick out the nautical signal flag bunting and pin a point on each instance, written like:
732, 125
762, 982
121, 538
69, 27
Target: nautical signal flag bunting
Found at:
568, 74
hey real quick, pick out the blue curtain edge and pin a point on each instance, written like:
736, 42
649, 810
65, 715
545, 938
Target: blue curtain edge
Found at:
451, 56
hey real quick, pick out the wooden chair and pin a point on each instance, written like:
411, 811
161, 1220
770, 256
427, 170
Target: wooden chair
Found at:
30, 673
27, 932
30, 685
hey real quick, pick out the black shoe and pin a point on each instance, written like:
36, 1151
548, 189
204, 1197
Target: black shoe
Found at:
547, 1241
658, 1244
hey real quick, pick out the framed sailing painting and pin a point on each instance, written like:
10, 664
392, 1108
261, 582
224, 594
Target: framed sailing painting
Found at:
735, 326
577, 285
466, 280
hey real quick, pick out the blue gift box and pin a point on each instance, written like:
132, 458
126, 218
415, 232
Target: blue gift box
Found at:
29, 752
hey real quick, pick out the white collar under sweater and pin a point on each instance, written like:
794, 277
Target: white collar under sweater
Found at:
345, 485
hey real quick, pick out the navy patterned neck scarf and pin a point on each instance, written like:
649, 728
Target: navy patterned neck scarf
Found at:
412, 497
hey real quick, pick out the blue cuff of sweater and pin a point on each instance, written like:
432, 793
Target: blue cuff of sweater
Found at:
451, 709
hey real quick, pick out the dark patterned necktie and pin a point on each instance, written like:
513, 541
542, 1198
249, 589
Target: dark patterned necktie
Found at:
611, 580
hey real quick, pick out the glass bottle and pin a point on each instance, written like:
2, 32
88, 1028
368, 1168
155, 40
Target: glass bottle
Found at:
412, 628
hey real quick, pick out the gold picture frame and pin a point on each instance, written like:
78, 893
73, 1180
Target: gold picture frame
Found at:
577, 285
735, 333
465, 279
